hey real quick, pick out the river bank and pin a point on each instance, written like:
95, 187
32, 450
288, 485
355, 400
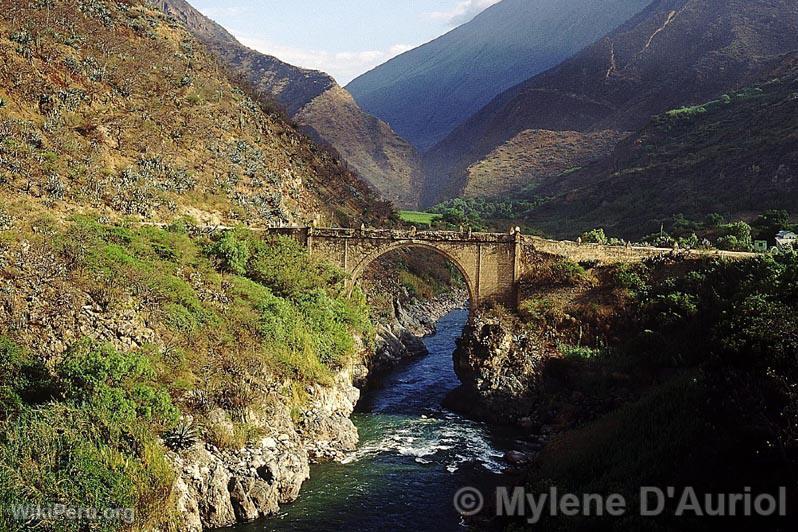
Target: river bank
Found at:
217, 488
413, 456
667, 373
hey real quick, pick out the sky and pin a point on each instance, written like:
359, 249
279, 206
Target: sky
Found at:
344, 38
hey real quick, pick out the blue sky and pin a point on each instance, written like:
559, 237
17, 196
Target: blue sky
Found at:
341, 37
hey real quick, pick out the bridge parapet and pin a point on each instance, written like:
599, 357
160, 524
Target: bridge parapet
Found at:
402, 234
605, 254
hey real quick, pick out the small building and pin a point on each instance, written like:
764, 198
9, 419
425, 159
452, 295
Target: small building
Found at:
787, 239
761, 246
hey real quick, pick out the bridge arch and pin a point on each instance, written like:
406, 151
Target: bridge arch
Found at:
376, 254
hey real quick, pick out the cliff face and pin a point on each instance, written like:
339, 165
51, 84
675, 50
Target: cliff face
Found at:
217, 488
318, 105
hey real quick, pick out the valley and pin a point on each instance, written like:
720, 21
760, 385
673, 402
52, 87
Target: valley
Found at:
552, 247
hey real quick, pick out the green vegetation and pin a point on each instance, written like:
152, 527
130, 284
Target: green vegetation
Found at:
482, 213
537, 310
84, 433
711, 347
425, 219
240, 316
594, 236
727, 99
735, 237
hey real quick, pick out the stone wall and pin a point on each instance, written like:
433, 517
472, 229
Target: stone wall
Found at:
617, 254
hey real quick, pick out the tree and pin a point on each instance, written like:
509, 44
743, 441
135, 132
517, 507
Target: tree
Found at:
715, 220
735, 237
769, 223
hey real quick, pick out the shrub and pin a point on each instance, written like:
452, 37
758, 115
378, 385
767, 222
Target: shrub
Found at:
92, 443
629, 279
22, 380
735, 237
594, 236
536, 310
232, 250
568, 272
119, 387
580, 352
284, 265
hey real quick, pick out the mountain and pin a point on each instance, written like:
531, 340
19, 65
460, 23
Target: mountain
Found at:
736, 155
675, 52
427, 92
532, 157
319, 106
113, 108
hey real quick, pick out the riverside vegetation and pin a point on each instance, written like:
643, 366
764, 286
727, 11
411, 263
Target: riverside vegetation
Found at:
669, 373
240, 322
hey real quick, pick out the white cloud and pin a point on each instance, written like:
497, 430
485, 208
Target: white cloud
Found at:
343, 66
462, 12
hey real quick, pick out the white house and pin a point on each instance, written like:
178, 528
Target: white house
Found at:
787, 239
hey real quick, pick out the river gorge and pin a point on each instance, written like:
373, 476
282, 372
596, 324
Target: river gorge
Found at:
413, 454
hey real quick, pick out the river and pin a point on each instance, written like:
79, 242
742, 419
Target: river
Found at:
413, 455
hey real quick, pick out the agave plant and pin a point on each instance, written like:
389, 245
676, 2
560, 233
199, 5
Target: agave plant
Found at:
182, 437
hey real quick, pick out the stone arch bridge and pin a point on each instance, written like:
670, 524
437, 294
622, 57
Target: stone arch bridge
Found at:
491, 263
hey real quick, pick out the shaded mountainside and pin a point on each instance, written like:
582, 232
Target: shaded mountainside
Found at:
319, 106
425, 93
533, 157
367, 144
736, 155
113, 107
676, 52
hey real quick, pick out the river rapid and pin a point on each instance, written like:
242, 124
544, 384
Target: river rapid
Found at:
412, 458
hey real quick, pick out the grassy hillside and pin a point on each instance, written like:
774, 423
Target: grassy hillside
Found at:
119, 343
532, 158
736, 155
110, 106
322, 108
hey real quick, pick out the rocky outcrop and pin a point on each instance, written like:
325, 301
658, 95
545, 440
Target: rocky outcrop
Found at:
216, 487
514, 374
500, 370
324, 426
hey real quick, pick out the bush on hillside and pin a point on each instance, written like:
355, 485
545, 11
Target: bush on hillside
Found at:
594, 236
